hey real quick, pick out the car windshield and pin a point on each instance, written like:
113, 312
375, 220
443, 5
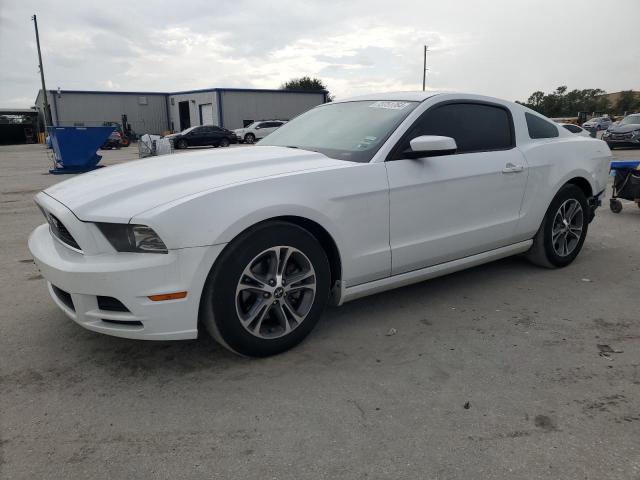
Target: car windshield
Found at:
352, 131
594, 119
187, 130
630, 119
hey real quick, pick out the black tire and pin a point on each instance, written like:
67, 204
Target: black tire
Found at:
615, 205
543, 253
218, 312
182, 144
249, 138
224, 142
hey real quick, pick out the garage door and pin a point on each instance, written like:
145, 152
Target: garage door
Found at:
206, 114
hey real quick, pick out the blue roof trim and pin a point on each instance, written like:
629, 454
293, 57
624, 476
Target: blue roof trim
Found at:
108, 92
269, 90
203, 90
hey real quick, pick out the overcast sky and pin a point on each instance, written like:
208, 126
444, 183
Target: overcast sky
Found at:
504, 48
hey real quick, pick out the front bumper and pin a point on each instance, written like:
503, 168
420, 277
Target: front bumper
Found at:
130, 278
622, 140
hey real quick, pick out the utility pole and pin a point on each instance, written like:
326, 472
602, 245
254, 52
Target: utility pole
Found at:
47, 109
424, 69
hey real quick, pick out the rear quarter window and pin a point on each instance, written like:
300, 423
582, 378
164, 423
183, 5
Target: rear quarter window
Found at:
540, 128
572, 128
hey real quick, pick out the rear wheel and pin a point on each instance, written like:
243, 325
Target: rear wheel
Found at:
224, 142
563, 230
249, 138
267, 290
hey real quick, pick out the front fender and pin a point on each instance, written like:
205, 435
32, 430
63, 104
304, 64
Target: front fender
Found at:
351, 204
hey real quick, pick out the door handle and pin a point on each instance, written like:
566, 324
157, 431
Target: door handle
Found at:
512, 168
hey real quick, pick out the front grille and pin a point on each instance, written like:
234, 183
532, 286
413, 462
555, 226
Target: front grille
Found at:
621, 136
64, 297
60, 231
110, 304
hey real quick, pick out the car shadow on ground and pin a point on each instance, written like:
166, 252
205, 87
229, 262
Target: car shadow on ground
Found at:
168, 358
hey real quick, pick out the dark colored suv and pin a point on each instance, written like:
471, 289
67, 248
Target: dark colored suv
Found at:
203, 135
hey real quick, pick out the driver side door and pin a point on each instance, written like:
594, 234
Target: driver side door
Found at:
447, 207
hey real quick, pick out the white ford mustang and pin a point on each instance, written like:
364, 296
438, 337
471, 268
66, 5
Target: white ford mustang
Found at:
348, 199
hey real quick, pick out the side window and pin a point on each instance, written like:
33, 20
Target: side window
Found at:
475, 127
540, 128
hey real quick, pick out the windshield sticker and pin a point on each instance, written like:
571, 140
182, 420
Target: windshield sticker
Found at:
389, 105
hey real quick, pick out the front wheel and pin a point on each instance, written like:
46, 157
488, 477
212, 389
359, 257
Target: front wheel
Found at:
182, 143
563, 230
267, 290
249, 138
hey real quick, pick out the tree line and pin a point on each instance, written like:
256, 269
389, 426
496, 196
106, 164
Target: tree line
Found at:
565, 103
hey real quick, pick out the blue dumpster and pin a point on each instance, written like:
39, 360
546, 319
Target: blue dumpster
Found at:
75, 148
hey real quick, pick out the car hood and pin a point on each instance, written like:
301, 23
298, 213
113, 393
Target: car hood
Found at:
624, 128
119, 192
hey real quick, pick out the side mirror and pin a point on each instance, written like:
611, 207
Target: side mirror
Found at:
258, 128
430, 146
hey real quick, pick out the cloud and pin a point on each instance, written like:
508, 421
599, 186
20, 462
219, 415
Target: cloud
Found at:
502, 48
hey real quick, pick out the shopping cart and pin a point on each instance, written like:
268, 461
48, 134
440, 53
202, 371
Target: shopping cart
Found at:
626, 183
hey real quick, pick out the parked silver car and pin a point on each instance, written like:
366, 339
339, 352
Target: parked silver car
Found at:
599, 123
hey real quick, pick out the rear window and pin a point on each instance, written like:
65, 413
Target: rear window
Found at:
540, 128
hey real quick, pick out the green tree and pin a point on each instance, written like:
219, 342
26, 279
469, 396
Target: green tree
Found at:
564, 103
306, 83
629, 101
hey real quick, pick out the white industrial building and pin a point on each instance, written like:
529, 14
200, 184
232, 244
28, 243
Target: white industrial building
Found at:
156, 112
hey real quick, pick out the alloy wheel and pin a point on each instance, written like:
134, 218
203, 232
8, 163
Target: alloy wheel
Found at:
275, 292
568, 224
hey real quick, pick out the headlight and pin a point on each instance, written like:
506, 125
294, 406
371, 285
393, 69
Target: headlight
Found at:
132, 238
635, 133
606, 134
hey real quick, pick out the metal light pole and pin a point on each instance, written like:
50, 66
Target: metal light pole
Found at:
424, 69
47, 109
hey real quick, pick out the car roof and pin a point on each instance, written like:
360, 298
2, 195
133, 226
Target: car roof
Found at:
415, 96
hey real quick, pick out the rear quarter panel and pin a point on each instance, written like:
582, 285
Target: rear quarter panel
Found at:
554, 162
